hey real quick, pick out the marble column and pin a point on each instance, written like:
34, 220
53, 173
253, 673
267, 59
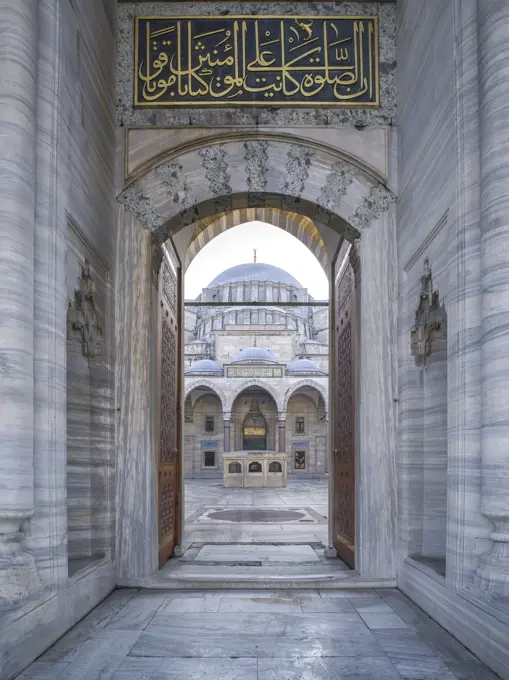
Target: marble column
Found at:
493, 26
226, 421
282, 432
18, 59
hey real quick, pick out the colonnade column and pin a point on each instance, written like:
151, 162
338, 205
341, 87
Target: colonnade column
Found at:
227, 435
18, 61
493, 25
282, 432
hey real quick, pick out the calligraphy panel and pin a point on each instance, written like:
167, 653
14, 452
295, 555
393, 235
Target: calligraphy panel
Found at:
254, 372
241, 60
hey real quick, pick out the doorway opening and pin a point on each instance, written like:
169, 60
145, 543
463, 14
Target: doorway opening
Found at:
256, 445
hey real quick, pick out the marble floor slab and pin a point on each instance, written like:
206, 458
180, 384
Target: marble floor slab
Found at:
264, 554
257, 635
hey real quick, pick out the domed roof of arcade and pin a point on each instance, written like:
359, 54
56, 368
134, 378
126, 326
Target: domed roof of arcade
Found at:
254, 271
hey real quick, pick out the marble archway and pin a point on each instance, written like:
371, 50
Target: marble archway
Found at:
303, 228
221, 175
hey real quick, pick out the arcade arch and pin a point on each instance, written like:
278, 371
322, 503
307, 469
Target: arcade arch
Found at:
159, 211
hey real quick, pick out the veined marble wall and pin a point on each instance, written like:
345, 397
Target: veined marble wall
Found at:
446, 52
63, 108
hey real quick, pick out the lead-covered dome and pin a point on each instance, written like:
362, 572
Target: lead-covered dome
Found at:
254, 271
254, 354
207, 366
302, 366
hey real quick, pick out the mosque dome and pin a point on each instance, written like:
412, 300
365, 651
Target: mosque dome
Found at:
302, 366
205, 366
254, 271
254, 354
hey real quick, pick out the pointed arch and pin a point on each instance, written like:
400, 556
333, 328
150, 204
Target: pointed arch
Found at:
306, 383
255, 382
210, 386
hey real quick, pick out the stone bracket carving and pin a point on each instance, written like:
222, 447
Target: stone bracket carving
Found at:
82, 316
430, 317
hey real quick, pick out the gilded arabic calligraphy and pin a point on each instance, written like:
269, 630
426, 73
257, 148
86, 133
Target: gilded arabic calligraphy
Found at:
196, 61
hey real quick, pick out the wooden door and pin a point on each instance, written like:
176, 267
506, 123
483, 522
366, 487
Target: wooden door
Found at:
344, 430
169, 408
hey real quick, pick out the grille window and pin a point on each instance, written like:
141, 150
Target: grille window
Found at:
299, 425
209, 424
210, 459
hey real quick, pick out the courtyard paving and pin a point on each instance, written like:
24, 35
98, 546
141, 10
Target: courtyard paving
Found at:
215, 515
241, 635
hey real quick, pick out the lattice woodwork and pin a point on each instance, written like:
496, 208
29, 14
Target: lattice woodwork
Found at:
168, 468
344, 421
168, 442
166, 503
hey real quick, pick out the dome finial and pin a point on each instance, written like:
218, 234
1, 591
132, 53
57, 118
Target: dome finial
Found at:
254, 253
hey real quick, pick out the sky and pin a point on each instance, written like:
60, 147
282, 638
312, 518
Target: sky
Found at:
273, 245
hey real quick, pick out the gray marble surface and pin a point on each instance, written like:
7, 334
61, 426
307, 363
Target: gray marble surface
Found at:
254, 635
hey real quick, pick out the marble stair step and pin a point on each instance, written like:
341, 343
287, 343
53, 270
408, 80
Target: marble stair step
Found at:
178, 575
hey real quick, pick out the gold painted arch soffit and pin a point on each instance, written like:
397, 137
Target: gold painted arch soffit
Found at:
301, 227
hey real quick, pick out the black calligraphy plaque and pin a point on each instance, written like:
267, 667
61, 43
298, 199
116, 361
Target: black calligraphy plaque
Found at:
253, 61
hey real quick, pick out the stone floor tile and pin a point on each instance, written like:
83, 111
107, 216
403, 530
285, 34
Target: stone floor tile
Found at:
138, 668
65, 649
313, 603
403, 644
274, 603
327, 669
100, 657
43, 670
423, 669
189, 605
367, 605
270, 554
348, 593
208, 669
264, 635
137, 613
381, 620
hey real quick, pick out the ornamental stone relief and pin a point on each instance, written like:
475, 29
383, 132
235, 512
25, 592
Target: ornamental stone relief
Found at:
430, 318
172, 176
336, 184
256, 158
297, 169
82, 316
139, 205
216, 170
371, 207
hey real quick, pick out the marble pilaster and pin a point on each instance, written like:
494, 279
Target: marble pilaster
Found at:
376, 416
282, 432
46, 532
18, 55
226, 421
493, 26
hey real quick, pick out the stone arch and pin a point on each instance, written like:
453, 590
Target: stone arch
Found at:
303, 228
306, 383
309, 179
209, 385
255, 383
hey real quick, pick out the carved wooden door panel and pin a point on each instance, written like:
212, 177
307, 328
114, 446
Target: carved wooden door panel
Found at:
169, 410
345, 338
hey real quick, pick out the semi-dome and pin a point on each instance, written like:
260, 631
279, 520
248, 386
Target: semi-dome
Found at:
302, 366
254, 354
205, 366
254, 271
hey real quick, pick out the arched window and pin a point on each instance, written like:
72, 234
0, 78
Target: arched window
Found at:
234, 468
255, 466
275, 466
